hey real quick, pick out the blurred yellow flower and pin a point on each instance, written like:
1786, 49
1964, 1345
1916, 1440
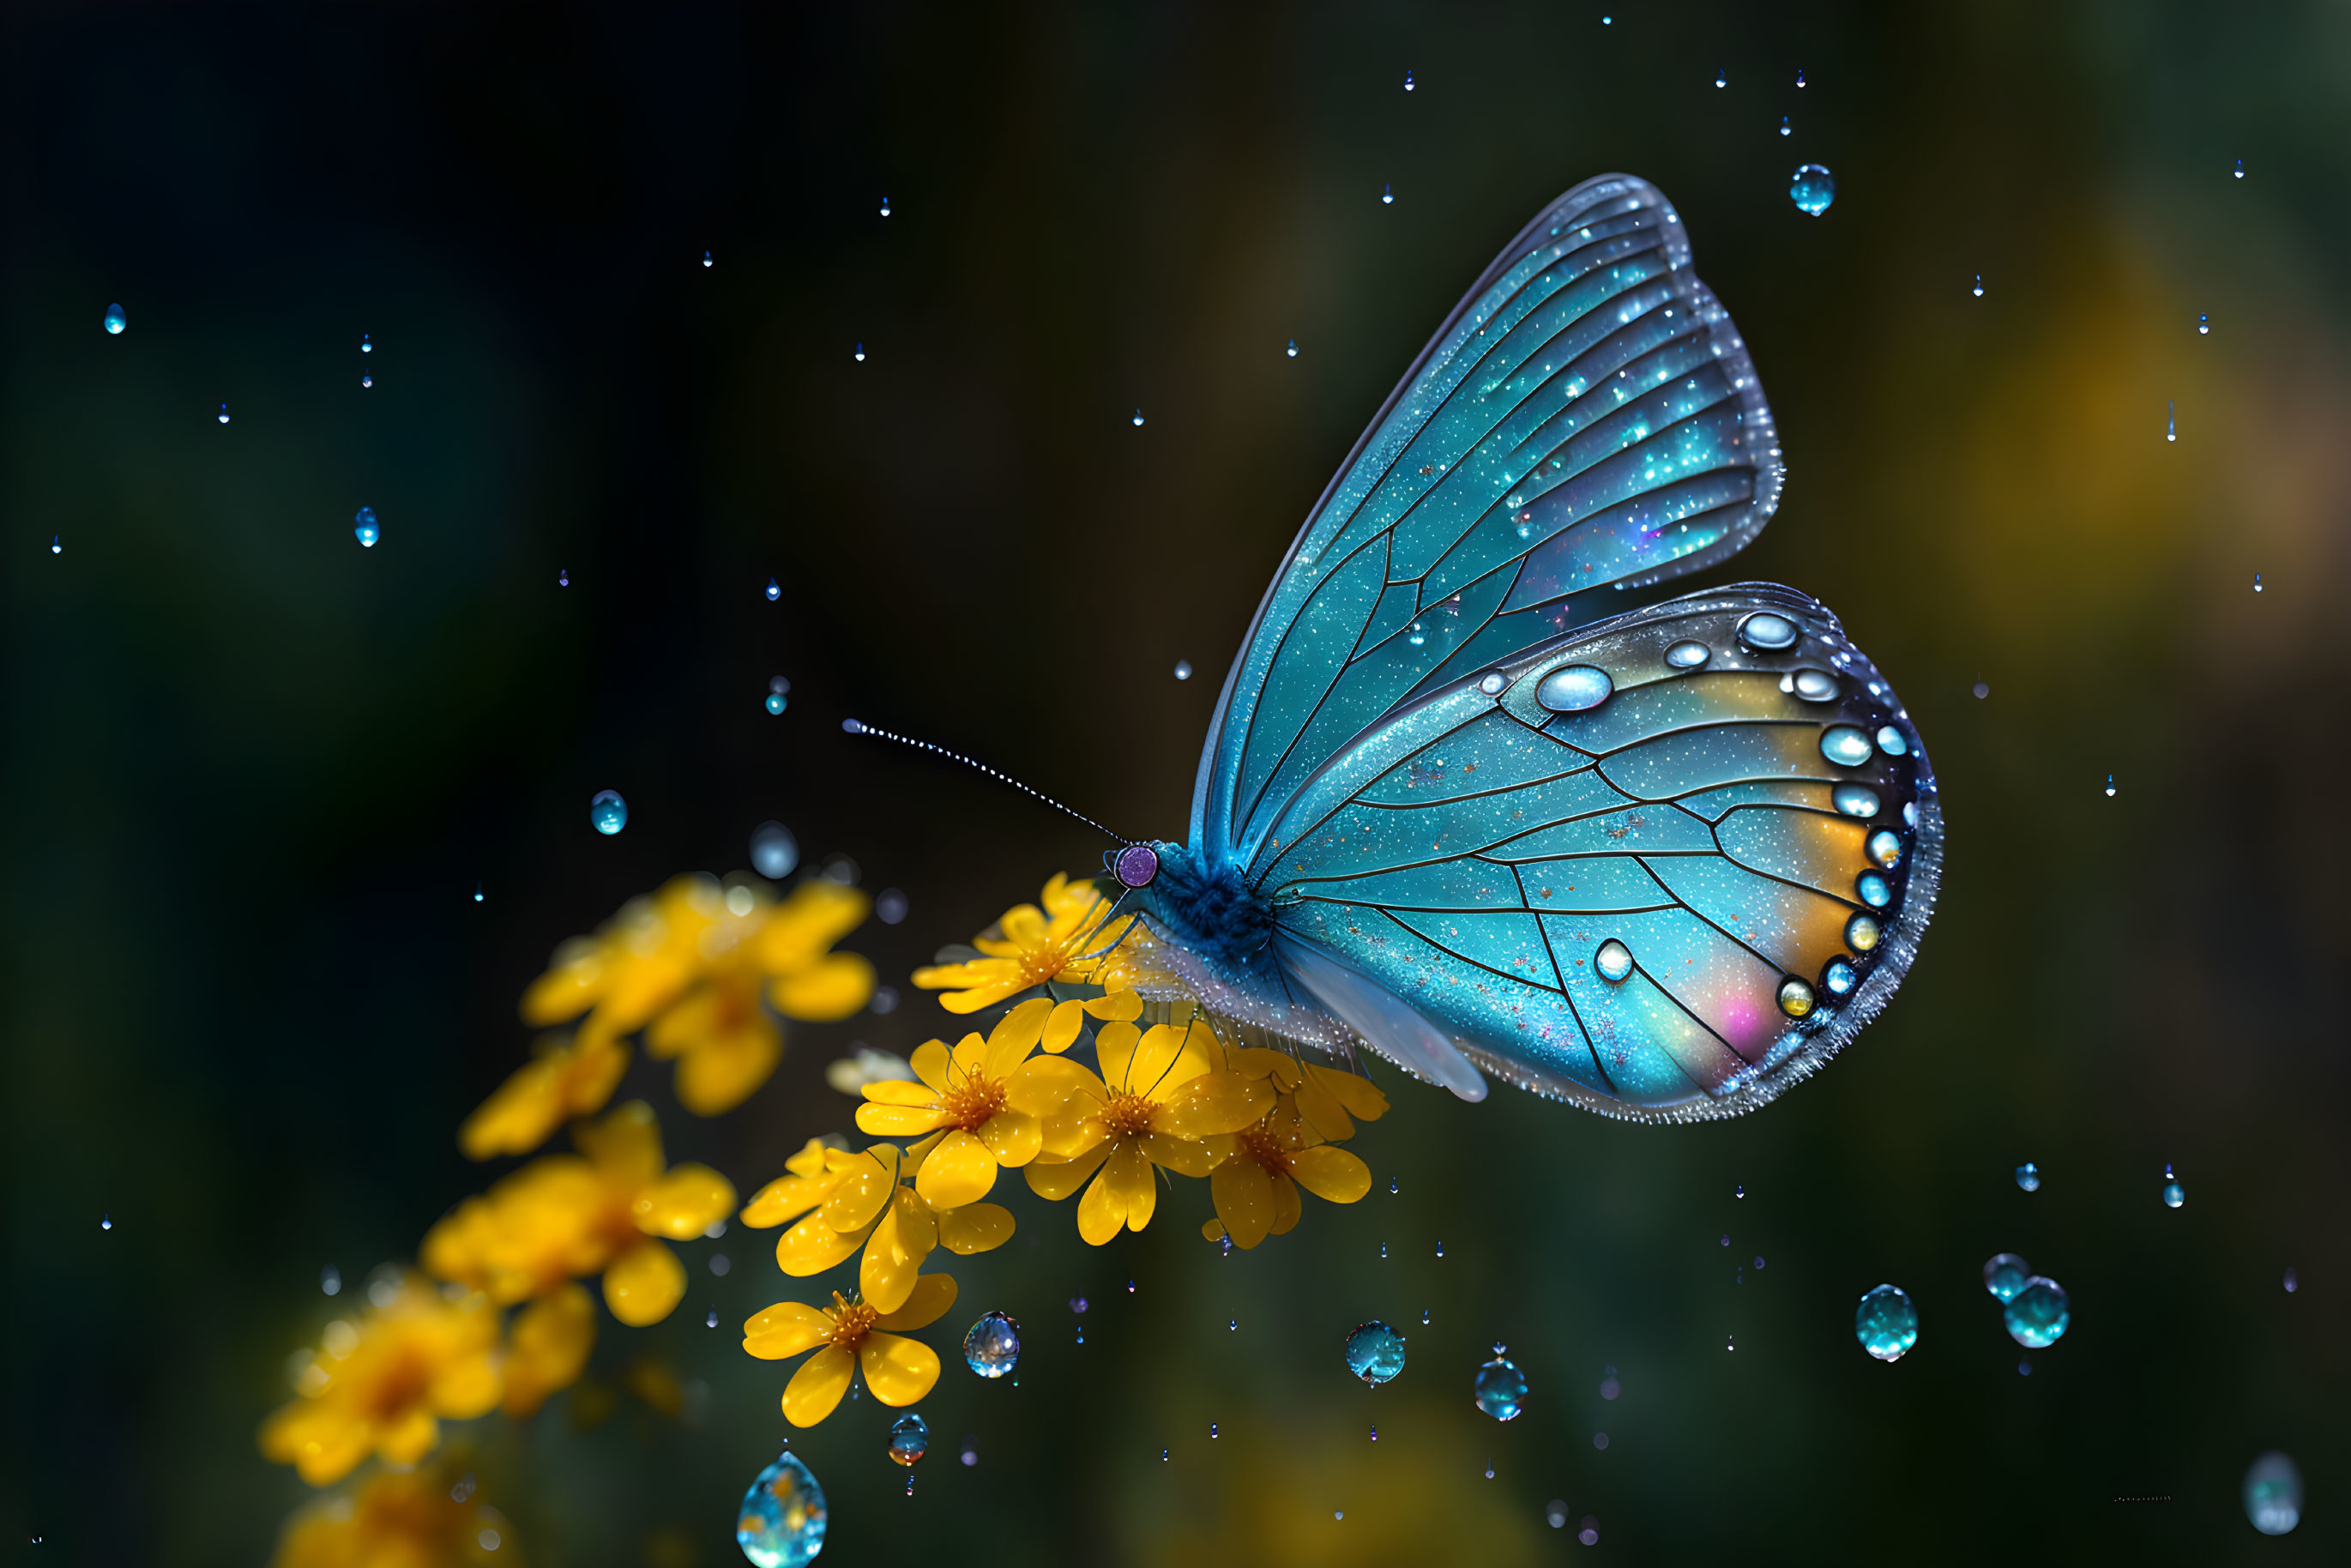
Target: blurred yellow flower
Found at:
1065, 941
847, 1201
1165, 1097
424, 1518
546, 1348
383, 1385
849, 1336
600, 1211
701, 962
568, 1078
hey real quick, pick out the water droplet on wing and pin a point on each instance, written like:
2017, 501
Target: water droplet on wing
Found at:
1687, 656
1573, 689
1885, 847
1838, 977
1796, 997
1874, 889
608, 812
1887, 1322
1845, 746
1768, 633
1612, 961
1814, 685
1854, 799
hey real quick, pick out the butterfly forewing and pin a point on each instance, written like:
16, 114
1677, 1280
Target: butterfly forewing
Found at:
1664, 866
1587, 417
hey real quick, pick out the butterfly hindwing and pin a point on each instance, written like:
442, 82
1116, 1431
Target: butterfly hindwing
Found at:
1586, 417
1664, 866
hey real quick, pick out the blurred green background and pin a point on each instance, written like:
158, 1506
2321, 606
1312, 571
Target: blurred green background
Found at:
255, 774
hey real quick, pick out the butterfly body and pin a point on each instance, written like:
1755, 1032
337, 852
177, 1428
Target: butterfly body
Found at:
1661, 865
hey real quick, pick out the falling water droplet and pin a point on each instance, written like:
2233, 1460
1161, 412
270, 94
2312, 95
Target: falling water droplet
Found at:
2170, 423
2241, 168
1722, 78
2004, 1275
1408, 81
1800, 76
2173, 1195
909, 1438
366, 379
1978, 288
56, 544
2293, 1283
1163, 1456
1982, 690
1138, 419
1182, 669
1440, 1249
1730, 1343
608, 812
115, 321
1376, 1434
1384, 1248
775, 702
364, 529
1489, 1467
330, 1280
992, 1347
1293, 350
1813, 188
773, 592
477, 893
1887, 1322
106, 1222
2110, 786
223, 413
2257, 583
2273, 1494
2028, 1177
1783, 127
781, 1521
1212, 1431
366, 347
860, 353
1739, 1191
1500, 1389
563, 578
2204, 325
705, 258
1391, 1184
712, 1321
1387, 196
1233, 1326
2037, 1314
1424, 1313
885, 206
1374, 1353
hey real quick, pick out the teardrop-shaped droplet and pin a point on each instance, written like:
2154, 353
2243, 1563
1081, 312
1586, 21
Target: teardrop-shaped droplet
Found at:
1887, 1322
705, 258
712, 1321
1138, 419
1408, 81
2028, 1177
1722, 78
1499, 1389
992, 1346
364, 529
909, 1438
1387, 196
1978, 288
1783, 127
885, 206
2170, 423
860, 352
115, 321
1182, 669
477, 893
365, 346
2257, 583
606, 812
2204, 325
2241, 168
774, 591
781, 1521
1292, 351
563, 577
223, 413
2110, 786
56, 544
1813, 188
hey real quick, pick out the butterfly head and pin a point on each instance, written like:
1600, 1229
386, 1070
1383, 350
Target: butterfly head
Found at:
1131, 867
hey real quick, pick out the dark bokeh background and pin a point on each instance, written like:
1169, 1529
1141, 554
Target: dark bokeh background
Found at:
254, 773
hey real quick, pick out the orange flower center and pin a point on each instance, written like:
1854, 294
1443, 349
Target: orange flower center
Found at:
398, 1387
1259, 1147
852, 1322
971, 1105
1127, 1115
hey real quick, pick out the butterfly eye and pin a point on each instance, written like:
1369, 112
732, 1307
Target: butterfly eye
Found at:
1136, 865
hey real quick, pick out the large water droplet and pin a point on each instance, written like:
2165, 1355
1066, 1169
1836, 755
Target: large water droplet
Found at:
2173, 1195
1796, 997
1885, 847
1862, 933
1374, 1353
992, 1347
781, 1521
1811, 188
116, 321
1874, 889
608, 811
1854, 799
1814, 685
1614, 960
1687, 656
1768, 633
909, 1438
2037, 1314
364, 529
1892, 741
1575, 689
1845, 746
1500, 1388
2273, 1494
2028, 1177
2004, 1275
1887, 1322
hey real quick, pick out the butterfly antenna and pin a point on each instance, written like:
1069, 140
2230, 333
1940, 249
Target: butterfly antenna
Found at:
855, 727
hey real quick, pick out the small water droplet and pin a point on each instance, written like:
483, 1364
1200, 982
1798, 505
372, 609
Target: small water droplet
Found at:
2241, 168
705, 258
992, 1347
1609, 1387
2028, 1177
2204, 325
1212, 1431
2004, 1275
1739, 1191
1130, 1287
366, 379
1374, 1353
1887, 1322
1391, 1184
330, 1280
2110, 786
477, 893
1800, 76
364, 529
2170, 423
2037, 1314
1978, 288
774, 591
1424, 1315
1182, 669
1501, 1390
608, 812
1293, 350
223, 413
1813, 188
1440, 1249
1234, 1326
775, 702
1138, 419
2257, 583
1783, 127
1384, 1248
115, 321
1982, 690
1376, 1434
1726, 1239
1387, 196
106, 1222
2293, 1283
885, 206
1408, 81
860, 353
365, 346
1489, 1467
712, 1321
2023, 1367
1722, 78
563, 578
56, 544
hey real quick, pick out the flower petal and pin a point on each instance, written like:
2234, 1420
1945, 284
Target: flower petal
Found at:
814, 1245
548, 1346
898, 1092
1012, 1137
1100, 1213
1360, 1096
1118, 1006
1322, 1110
980, 1227
408, 1436
1215, 1102
898, 1370
785, 1329
931, 1063
1244, 1198
897, 1121
1114, 1046
1062, 1028
1330, 1173
1015, 1036
722, 1072
1042, 1085
900, 1242
626, 1146
1056, 1179
685, 1203
865, 1187
1286, 1206
470, 1385
931, 1296
817, 1387
1183, 1156
1155, 1053
642, 1284
1135, 1185
1258, 1061
961, 1170
836, 987
786, 1198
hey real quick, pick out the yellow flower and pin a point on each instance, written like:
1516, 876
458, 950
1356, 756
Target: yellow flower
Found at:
568, 1078
851, 1336
546, 1348
1063, 941
697, 962
383, 1385
857, 1200
1164, 1099
600, 1211
1255, 1191
424, 1518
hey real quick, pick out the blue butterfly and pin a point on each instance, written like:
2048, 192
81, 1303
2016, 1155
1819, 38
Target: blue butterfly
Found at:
1662, 865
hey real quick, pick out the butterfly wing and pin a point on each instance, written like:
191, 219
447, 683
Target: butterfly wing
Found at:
1665, 866
1586, 417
